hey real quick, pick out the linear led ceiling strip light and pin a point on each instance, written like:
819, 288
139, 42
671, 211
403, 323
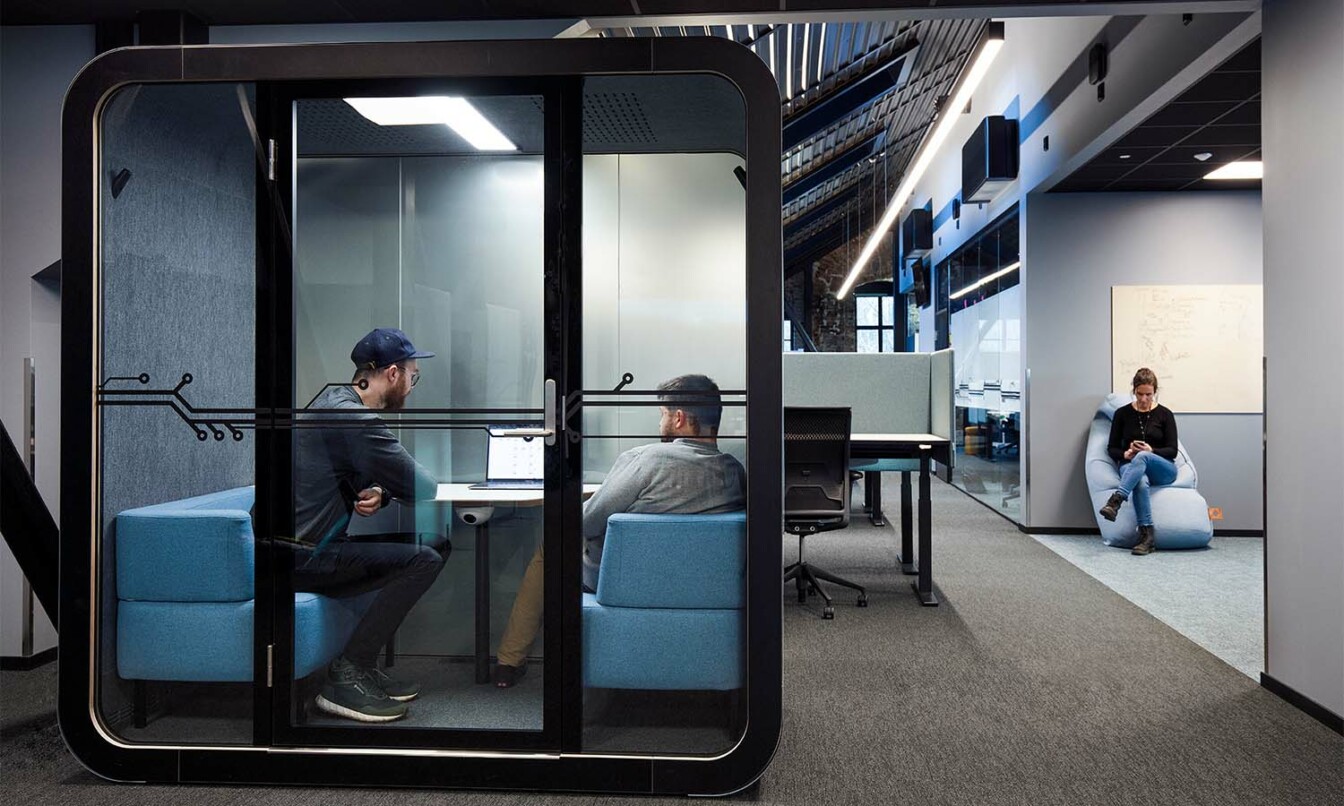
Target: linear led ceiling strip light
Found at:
989, 47
989, 278
457, 113
1246, 169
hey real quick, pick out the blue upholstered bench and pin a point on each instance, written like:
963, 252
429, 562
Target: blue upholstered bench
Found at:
670, 607
1180, 513
185, 573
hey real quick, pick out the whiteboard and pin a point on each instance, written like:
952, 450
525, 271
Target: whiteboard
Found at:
1205, 342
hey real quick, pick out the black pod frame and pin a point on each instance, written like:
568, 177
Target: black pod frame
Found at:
562, 770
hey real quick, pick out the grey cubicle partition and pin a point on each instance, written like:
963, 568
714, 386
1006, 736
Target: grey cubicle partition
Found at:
905, 393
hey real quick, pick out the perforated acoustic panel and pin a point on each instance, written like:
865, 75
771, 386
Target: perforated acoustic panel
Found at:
615, 117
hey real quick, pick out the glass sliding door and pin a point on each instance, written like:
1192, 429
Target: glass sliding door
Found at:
416, 483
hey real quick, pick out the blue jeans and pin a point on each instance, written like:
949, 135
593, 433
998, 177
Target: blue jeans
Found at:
1143, 470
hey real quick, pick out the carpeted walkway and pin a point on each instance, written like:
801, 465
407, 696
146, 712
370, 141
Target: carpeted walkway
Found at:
1214, 596
1033, 683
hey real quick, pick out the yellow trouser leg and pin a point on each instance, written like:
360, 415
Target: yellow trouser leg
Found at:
525, 618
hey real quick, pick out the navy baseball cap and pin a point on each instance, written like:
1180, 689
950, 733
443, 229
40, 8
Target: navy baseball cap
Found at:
384, 346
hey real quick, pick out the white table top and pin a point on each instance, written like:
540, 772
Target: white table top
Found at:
923, 438
463, 494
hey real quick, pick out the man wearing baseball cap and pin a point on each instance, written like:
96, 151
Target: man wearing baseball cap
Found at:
350, 464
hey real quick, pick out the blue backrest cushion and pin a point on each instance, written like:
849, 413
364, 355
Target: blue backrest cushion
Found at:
674, 561
192, 550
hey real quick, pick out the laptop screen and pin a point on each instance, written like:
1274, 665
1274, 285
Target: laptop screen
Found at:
513, 458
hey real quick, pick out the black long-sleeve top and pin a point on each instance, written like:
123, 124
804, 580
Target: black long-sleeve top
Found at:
1157, 427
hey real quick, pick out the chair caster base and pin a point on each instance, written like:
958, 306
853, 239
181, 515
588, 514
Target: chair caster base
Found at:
828, 613
863, 601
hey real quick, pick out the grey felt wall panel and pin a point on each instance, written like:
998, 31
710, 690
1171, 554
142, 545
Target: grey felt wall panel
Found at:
178, 296
941, 415
888, 392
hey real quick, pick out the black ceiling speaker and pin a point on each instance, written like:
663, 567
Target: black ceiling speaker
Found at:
989, 159
1096, 63
916, 233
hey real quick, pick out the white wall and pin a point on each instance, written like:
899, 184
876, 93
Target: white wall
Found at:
37, 63
1304, 341
1081, 244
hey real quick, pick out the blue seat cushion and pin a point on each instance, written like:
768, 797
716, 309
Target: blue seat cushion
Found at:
674, 561
212, 641
193, 550
661, 648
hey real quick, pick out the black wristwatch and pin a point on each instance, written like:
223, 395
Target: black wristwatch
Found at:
384, 495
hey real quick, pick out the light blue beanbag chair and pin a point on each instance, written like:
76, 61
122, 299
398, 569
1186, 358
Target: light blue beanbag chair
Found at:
1180, 513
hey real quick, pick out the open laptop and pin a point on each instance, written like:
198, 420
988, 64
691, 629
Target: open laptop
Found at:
512, 463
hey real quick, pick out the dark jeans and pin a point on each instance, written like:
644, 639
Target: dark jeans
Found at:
400, 567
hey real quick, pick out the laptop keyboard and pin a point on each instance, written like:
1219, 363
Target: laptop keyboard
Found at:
505, 484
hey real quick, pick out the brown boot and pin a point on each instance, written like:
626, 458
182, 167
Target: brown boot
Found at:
1145, 545
1112, 506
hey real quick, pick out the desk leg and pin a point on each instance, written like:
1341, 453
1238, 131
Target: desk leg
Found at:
924, 586
483, 603
907, 557
872, 488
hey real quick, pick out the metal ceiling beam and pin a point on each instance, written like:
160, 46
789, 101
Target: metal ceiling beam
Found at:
864, 149
748, 13
815, 213
675, 13
816, 117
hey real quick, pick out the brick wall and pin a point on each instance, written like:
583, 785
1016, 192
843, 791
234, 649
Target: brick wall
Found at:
833, 319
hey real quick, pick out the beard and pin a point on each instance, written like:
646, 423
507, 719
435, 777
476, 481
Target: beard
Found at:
665, 433
394, 399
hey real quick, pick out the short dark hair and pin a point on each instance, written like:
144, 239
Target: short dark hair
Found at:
1144, 376
697, 395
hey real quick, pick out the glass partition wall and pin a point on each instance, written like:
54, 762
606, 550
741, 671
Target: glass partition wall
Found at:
983, 299
662, 308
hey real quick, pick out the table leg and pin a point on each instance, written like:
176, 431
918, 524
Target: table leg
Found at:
924, 586
483, 603
872, 487
907, 556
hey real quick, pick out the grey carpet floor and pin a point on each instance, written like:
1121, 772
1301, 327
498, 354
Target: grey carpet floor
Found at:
1214, 596
1033, 683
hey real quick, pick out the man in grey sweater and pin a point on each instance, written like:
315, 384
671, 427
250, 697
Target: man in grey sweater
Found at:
685, 473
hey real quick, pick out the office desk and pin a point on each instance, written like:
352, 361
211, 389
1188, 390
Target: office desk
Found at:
463, 495
926, 448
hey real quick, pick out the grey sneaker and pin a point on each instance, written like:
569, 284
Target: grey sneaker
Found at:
351, 693
399, 690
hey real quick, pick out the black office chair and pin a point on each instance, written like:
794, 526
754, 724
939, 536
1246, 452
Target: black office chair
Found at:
816, 490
